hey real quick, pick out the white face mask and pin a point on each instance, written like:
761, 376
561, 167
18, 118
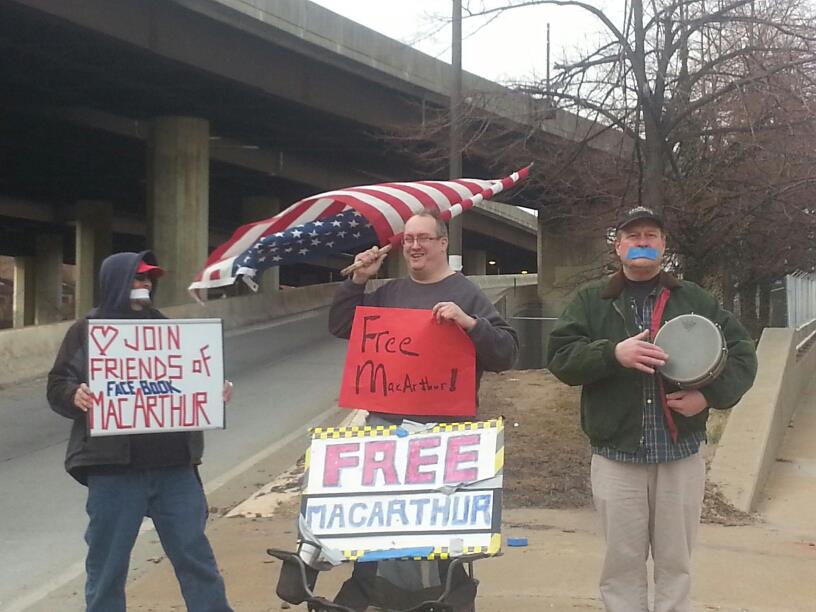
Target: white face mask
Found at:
140, 295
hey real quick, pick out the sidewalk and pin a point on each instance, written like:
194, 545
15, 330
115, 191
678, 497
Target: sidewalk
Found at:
768, 566
756, 568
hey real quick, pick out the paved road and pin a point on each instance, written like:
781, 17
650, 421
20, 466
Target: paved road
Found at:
285, 374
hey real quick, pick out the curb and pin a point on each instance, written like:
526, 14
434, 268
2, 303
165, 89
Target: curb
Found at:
285, 487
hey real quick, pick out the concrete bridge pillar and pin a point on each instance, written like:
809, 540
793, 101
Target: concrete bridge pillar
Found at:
564, 263
48, 279
23, 298
395, 266
475, 262
94, 239
178, 185
256, 208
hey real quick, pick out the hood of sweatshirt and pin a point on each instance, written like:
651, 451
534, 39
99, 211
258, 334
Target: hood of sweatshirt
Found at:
115, 282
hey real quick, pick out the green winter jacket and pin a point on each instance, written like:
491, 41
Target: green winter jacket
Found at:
581, 351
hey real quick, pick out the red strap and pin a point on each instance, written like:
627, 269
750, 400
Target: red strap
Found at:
657, 313
657, 316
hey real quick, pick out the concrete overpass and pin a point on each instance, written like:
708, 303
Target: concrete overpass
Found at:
168, 123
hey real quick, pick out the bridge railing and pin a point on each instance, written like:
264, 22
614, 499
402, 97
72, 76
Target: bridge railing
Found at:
800, 298
757, 425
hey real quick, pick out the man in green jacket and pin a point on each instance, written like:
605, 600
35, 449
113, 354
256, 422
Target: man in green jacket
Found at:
648, 475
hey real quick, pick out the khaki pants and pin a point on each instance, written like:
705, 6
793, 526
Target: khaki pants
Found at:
648, 508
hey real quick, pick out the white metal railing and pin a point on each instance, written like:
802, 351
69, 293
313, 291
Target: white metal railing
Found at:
800, 294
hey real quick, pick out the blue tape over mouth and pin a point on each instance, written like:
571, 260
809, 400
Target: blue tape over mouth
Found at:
642, 253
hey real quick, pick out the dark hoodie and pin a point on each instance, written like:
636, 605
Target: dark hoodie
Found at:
111, 453
115, 282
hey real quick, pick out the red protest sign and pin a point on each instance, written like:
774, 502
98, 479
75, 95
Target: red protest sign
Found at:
401, 361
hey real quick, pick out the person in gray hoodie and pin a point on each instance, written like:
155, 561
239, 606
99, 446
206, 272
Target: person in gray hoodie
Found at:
130, 477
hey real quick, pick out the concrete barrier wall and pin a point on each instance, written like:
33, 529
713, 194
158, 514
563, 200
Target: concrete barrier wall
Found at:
29, 352
495, 285
257, 308
757, 425
511, 301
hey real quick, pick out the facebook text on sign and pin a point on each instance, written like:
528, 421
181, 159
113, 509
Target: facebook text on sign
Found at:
378, 489
402, 361
155, 375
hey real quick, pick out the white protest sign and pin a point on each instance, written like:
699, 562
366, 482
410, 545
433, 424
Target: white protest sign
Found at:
155, 375
431, 494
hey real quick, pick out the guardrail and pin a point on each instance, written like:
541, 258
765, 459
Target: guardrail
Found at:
757, 425
804, 346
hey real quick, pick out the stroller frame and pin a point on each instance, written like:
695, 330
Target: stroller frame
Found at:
307, 576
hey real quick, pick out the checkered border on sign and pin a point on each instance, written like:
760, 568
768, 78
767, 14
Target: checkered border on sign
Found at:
369, 431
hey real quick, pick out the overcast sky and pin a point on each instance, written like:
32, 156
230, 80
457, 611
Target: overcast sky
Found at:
513, 46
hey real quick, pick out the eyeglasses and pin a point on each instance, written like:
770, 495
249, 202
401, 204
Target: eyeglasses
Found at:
421, 240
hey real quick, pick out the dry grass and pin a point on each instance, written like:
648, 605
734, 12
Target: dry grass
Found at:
547, 455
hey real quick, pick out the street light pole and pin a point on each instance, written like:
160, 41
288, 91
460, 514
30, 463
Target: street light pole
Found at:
455, 151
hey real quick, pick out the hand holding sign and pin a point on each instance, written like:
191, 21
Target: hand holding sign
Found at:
450, 311
83, 398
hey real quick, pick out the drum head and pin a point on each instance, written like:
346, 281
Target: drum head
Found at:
694, 345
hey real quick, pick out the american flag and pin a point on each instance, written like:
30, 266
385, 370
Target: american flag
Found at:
339, 221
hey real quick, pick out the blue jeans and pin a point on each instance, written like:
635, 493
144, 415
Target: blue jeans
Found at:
174, 499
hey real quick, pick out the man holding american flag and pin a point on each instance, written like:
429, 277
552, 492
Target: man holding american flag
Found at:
339, 221
432, 284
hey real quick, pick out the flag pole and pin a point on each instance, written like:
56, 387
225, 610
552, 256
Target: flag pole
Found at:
359, 264
455, 151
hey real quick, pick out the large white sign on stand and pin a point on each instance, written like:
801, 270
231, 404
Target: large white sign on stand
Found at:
155, 375
386, 492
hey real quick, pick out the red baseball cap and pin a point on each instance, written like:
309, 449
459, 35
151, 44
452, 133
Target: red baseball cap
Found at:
146, 268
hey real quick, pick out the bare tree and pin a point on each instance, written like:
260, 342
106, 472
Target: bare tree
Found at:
714, 100
659, 73
717, 98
